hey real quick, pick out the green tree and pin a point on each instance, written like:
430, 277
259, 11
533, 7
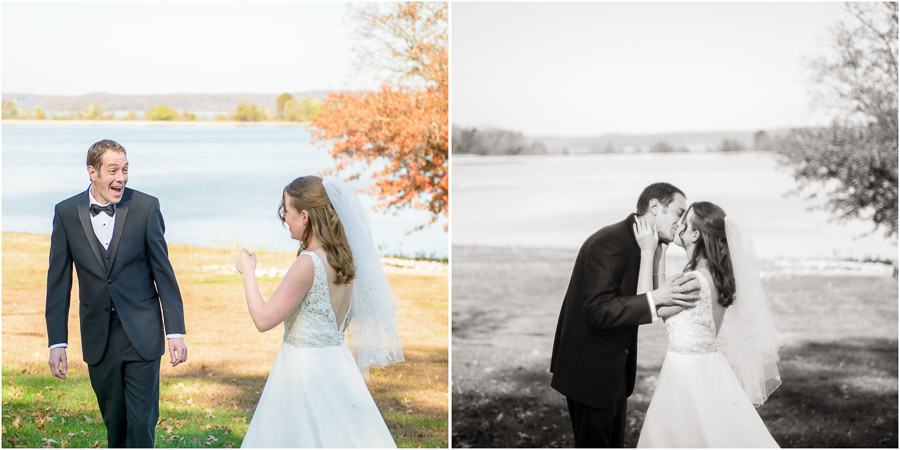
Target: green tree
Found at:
160, 112
93, 112
250, 113
39, 113
291, 112
279, 104
9, 109
302, 111
310, 107
853, 161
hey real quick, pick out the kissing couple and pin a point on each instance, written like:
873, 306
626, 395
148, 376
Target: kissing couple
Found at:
722, 352
129, 305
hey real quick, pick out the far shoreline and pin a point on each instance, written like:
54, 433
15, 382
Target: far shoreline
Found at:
154, 122
389, 261
771, 266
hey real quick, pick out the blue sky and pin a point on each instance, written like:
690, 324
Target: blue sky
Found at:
73, 48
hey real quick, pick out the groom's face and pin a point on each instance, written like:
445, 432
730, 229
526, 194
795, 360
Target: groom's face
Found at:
109, 182
667, 217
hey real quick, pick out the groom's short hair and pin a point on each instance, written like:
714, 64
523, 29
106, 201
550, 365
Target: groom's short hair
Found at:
663, 192
95, 153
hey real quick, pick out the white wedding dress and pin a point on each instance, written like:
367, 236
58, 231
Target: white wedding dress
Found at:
698, 401
315, 395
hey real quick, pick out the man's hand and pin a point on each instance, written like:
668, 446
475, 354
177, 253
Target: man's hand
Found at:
177, 351
58, 364
680, 290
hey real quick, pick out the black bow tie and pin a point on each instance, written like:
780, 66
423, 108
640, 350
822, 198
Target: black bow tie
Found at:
109, 209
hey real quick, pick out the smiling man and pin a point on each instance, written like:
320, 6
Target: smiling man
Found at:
127, 294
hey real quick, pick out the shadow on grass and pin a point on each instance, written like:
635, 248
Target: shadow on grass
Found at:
834, 394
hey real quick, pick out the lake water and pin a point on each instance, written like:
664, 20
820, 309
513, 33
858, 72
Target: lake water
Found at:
558, 201
218, 185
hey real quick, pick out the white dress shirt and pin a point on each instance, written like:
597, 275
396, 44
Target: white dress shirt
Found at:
104, 225
652, 307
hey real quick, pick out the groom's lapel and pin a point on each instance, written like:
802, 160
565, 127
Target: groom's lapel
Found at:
84, 216
121, 213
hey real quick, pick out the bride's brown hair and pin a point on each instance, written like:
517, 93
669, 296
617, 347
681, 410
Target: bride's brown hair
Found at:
308, 194
709, 220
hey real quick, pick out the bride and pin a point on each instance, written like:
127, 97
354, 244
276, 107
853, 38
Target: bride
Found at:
722, 354
315, 395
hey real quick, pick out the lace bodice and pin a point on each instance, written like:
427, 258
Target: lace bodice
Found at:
312, 323
693, 330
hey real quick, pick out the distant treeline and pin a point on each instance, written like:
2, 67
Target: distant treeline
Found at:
504, 142
494, 142
54, 104
287, 109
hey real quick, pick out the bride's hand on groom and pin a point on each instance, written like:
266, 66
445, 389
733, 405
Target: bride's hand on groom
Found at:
246, 262
646, 236
680, 290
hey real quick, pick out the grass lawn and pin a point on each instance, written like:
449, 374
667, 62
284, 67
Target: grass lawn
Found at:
209, 401
838, 365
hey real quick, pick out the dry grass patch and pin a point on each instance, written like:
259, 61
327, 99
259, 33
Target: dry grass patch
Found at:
208, 401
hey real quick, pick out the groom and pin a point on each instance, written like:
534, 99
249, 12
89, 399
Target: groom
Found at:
595, 350
114, 238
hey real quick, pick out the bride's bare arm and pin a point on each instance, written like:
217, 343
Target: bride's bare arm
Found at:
296, 282
659, 277
652, 271
647, 240
659, 265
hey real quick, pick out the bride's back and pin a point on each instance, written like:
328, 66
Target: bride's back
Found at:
338, 293
718, 311
317, 320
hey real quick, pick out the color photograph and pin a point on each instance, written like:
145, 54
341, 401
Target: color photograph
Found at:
225, 224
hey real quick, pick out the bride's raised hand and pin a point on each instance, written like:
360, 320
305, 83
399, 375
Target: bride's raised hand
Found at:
646, 236
246, 262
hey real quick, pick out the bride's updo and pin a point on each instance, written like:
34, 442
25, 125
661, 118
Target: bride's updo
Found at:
709, 220
308, 194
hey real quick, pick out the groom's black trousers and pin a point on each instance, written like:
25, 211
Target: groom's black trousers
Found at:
599, 428
127, 389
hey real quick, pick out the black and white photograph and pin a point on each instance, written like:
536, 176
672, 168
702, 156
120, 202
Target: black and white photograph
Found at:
674, 224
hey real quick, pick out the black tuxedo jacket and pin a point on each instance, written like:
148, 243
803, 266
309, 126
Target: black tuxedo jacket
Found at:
135, 276
595, 349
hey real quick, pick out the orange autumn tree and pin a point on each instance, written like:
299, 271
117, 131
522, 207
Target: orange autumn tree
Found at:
401, 128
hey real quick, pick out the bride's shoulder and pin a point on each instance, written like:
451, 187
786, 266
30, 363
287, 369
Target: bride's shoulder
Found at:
303, 263
703, 273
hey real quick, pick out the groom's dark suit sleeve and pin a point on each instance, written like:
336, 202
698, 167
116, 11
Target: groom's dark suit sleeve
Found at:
605, 265
163, 273
59, 283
